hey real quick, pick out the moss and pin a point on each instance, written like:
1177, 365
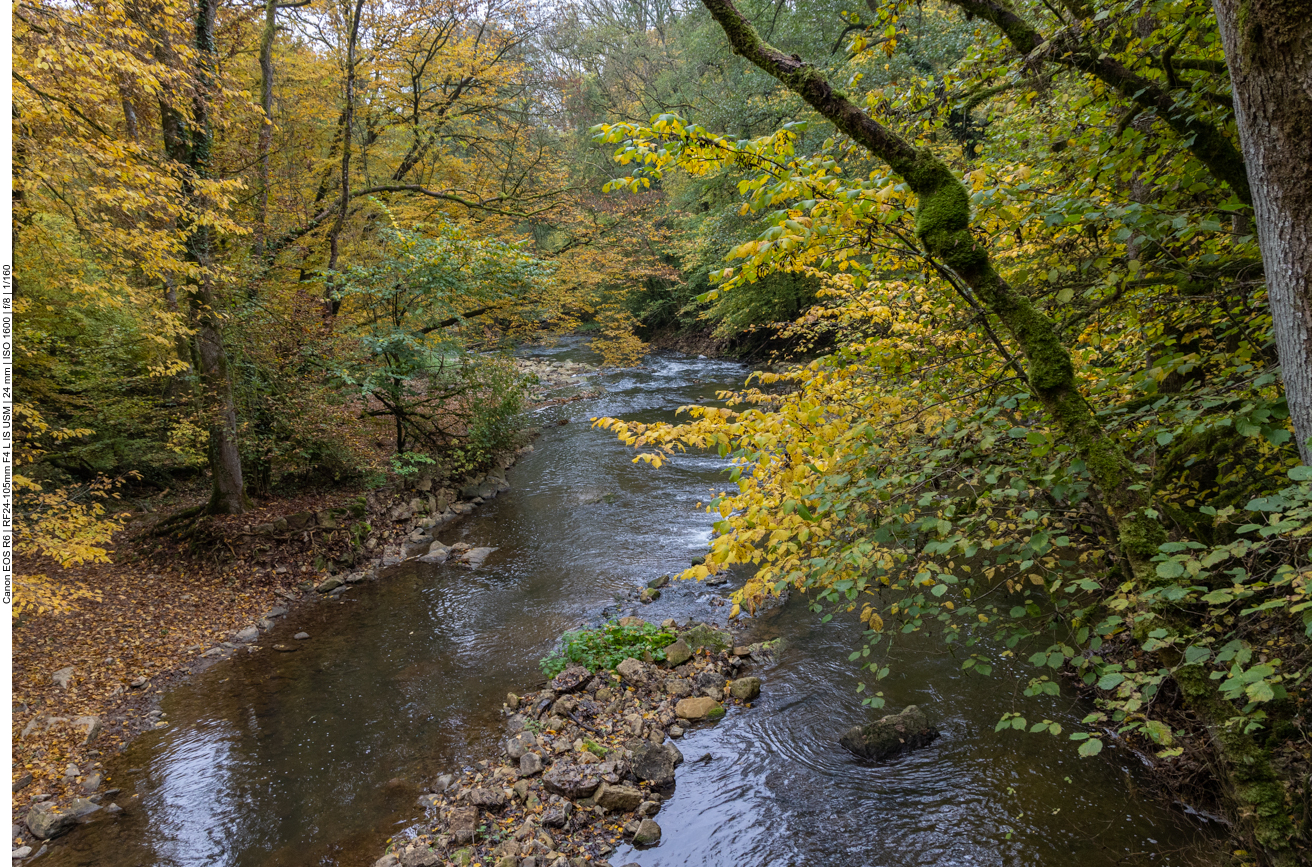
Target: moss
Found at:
1256, 789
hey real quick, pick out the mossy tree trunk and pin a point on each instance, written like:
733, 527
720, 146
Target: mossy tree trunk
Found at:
943, 227
1268, 48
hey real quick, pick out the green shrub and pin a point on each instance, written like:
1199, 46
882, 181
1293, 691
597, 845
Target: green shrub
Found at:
607, 646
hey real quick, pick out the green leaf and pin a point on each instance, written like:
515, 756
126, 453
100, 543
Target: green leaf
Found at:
1091, 747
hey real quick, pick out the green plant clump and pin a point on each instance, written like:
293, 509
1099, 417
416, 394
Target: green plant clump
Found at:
607, 646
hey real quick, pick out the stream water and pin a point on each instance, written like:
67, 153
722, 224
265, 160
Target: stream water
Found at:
317, 757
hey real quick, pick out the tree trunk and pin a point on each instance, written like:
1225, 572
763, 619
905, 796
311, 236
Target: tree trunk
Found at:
352, 38
1268, 47
192, 142
266, 127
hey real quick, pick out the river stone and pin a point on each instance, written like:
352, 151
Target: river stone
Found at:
677, 653
301, 636
631, 670
658, 583
421, 857
571, 780
710, 683
47, 821
702, 707
530, 764
520, 744
655, 763
619, 799
463, 824
557, 815
745, 688
247, 635
88, 724
572, 679
677, 687
890, 735
488, 799
709, 637
649, 833
474, 557
329, 584
388, 860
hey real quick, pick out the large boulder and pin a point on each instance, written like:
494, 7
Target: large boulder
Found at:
571, 781
655, 763
890, 735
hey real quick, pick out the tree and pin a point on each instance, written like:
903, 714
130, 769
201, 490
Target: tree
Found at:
1266, 47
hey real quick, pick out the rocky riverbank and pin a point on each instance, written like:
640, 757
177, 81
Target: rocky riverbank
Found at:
587, 761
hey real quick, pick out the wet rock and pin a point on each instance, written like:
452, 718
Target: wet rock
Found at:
676, 731
557, 815
93, 782
658, 583
571, 781
286, 648
463, 824
745, 688
709, 637
301, 636
63, 677
649, 808
648, 834
632, 670
388, 860
619, 799
530, 764
443, 782
572, 679
520, 744
890, 735
702, 707
357, 578
655, 763
677, 653
47, 821
247, 635
710, 683
329, 584
649, 595
474, 557
488, 799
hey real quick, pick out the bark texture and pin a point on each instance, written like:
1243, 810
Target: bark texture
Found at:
1268, 47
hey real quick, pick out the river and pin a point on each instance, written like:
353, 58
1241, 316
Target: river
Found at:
317, 757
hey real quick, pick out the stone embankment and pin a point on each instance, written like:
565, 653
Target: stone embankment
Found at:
587, 762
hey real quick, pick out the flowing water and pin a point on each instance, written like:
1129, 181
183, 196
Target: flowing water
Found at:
317, 757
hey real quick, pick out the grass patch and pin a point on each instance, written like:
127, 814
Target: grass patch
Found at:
607, 646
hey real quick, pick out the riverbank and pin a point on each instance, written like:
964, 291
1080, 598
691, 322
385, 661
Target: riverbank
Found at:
587, 762
89, 681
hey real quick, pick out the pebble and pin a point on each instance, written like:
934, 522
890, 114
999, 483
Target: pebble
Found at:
301, 636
